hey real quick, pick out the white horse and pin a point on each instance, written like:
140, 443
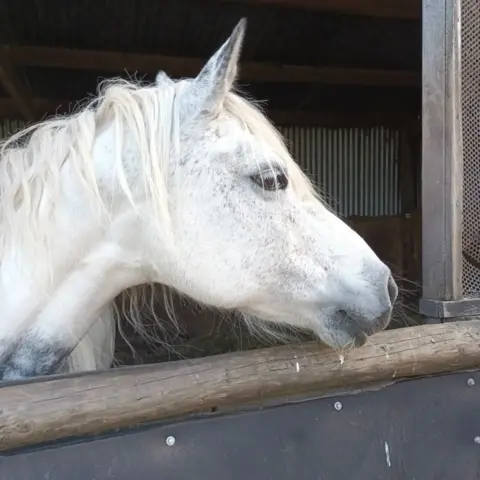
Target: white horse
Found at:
182, 183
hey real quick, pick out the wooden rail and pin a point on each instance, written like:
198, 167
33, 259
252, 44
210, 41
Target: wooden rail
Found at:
55, 408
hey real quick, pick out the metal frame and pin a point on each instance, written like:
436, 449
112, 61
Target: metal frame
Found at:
442, 179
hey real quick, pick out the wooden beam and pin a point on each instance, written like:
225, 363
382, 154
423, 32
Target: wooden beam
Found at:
15, 87
88, 404
454, 310
116, 62
410, 9
442, 178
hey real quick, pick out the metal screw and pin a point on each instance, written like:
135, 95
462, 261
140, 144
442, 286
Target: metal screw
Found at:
337, 406
170, 441
470, 382
476, 439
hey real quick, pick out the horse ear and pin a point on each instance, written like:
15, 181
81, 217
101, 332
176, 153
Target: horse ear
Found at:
162, 78
218, 75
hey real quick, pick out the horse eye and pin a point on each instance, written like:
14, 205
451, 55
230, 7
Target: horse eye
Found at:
271, 182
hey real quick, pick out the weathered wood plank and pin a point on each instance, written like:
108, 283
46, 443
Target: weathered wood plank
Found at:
454, 310
116, 62
55, 408
442, 152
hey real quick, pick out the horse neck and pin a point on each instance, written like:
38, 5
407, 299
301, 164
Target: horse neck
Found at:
89, 263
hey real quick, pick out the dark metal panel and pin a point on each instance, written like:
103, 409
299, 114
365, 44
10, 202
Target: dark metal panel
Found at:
9, 127
422, 429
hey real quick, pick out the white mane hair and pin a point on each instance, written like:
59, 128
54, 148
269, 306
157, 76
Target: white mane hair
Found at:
32, 158
147, 120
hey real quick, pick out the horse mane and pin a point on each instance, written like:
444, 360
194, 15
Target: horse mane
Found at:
31, 160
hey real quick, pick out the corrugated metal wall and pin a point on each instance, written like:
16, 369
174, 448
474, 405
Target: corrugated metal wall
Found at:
355, 168
9, 127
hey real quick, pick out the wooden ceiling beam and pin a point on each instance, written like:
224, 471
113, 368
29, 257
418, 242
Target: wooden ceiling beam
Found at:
117, 62
16, 88
10, 109
407, 9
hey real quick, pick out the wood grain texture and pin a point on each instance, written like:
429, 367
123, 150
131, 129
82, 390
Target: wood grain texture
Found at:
442, 181
55, 408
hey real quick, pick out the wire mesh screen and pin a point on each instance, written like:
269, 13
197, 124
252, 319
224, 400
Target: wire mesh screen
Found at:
470, 90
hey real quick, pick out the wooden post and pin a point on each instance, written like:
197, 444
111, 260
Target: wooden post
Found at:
442, 159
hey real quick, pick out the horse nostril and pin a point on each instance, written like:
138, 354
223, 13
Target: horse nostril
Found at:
361, 339
392, 289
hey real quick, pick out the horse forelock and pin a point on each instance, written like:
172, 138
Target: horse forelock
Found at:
249, 114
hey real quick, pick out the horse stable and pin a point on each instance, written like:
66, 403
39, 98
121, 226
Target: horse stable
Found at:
378, 102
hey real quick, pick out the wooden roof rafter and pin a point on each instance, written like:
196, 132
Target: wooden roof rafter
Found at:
262, 72
406, 9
